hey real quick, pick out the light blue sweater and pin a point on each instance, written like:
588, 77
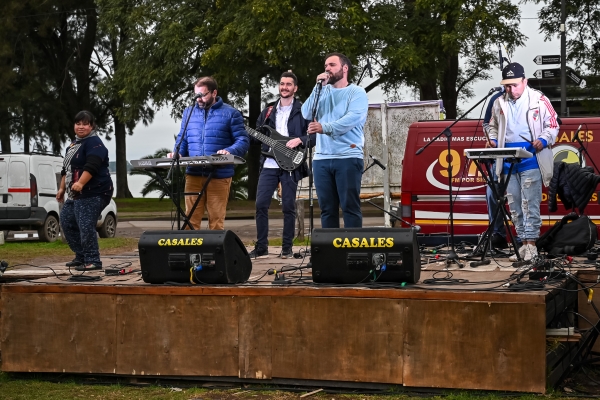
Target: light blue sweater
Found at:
342, 113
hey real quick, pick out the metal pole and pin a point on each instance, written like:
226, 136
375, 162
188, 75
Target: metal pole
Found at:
563, 58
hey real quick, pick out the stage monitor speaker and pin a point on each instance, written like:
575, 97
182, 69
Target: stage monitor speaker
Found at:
362, 255
209, 256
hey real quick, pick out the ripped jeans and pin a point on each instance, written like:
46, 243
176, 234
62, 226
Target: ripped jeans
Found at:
524, 195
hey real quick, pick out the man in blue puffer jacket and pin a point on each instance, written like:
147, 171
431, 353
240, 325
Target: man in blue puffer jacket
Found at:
214, 128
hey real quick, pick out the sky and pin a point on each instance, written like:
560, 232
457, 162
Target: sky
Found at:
160, 133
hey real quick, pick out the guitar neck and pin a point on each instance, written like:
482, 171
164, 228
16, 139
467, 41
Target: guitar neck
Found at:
262, 137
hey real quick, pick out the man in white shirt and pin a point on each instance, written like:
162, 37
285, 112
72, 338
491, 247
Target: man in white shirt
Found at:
285, 117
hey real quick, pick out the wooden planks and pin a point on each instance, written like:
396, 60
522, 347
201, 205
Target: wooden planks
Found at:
491, 346
411, 292
412, 341
58, 333
177, 335
255, 326
344, 339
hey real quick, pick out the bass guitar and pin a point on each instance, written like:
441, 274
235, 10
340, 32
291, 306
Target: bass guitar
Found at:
287, 159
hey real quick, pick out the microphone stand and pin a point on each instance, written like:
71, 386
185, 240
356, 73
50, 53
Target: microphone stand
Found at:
582, 147
175, 163
452, 256
311, 206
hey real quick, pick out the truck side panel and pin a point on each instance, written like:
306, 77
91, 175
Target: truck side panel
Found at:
425, 187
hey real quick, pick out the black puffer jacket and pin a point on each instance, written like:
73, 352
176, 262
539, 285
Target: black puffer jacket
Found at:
573, 185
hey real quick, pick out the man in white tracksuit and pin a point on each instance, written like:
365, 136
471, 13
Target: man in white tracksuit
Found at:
523, 117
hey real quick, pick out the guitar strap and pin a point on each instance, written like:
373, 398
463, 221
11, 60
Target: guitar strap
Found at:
267, 116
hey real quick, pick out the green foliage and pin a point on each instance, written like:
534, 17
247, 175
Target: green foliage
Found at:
583, 42
423, 42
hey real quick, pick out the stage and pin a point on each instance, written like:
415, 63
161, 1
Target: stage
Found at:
445, 333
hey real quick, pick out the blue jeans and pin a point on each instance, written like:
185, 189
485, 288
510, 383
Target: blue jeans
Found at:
524, 194
267, 183
338, 184
78, 223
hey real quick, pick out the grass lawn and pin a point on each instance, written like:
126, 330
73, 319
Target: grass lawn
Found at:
23, 252
25, 386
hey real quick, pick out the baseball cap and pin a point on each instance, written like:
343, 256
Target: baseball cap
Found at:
512, 73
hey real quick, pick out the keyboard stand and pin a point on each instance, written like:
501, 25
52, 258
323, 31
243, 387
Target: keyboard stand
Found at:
200, 194
174, 196
501, 211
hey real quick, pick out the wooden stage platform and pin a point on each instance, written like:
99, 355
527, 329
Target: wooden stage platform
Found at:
470, 335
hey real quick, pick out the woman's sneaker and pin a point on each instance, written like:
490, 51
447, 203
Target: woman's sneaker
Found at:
88, 267
74, 263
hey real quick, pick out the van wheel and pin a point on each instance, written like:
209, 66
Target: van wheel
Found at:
50, 230
109, 227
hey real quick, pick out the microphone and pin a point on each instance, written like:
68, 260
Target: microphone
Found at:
322, 79
576, 137
376, 161
196, 97
497, 89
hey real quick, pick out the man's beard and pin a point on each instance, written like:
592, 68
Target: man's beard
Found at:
333, 78
206, 105
287, 95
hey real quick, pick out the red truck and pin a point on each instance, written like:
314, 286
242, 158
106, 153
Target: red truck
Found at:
424, 191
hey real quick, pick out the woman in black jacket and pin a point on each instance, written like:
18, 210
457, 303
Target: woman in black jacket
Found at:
86, 181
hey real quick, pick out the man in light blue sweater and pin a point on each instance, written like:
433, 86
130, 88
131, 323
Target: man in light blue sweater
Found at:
338, 122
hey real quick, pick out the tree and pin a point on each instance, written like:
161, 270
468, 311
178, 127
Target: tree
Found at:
110, 49
440, 47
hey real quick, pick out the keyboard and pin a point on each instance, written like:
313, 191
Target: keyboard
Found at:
202, 161
489, 153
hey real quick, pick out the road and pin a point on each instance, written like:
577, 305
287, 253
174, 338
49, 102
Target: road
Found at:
244, 228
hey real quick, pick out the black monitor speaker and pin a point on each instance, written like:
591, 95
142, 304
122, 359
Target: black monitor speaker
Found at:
363, 255
206, 256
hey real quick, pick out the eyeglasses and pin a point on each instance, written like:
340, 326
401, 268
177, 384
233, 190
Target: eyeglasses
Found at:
82, 123
201, 95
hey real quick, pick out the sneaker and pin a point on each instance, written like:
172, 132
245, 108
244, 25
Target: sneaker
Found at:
286, 253
498, 241
88, 267
259, 253
530, 252
514, 258
74, 263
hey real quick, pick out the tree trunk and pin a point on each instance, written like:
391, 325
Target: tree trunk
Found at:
428, 91
448, 86
5, 132
253, 159
121, 149
26, 126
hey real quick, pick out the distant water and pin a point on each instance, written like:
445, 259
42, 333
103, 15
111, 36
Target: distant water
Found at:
136, 184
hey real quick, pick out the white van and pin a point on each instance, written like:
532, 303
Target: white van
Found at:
28, 186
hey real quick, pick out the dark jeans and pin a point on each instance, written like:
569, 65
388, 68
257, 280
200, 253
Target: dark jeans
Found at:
493, 204
78, 223
338, 184
267, 183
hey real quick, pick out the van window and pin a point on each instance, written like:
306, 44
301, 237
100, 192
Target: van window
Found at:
17, 175
2, 174
47, 178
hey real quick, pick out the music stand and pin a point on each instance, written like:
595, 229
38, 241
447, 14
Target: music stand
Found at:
501, 211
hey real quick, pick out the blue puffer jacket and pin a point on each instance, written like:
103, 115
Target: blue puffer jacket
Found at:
221, 127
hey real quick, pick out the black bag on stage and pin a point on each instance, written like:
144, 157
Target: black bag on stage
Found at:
572, 235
